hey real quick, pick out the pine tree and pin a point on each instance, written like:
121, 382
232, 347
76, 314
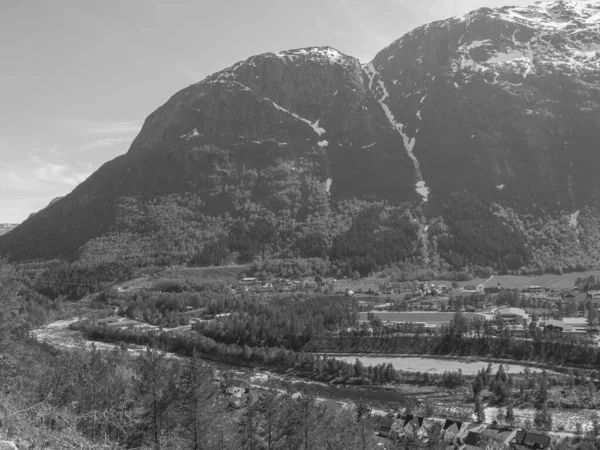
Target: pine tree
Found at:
542, 394
510, 414
153, 390
198, 400
479, 411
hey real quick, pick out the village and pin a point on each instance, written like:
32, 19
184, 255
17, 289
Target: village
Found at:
457, 434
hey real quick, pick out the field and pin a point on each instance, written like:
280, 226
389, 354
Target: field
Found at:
433, 365
429, 317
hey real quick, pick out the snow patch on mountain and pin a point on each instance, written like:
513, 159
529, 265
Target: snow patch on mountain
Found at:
409, 143
573, 219
323, 143
422, 190
328, 185
192, 134
314, 125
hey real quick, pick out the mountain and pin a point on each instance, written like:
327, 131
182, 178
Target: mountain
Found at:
290, 151
6, 227
54, 200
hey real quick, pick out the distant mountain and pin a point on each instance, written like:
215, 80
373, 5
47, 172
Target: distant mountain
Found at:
497, 107
6, 227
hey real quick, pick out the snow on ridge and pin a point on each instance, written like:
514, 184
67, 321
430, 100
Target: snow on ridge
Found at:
323, 53
366, 147
323, 143
328, 185
500, 186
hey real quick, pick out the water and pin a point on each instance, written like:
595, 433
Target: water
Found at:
433, 365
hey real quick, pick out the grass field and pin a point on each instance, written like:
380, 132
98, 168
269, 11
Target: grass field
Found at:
548, 281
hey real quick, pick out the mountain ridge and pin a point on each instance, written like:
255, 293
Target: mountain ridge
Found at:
486, 103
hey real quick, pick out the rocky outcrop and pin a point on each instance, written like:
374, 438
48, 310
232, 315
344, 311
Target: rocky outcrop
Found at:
503, 103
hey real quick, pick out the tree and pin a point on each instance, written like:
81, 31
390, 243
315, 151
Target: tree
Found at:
250, 427
479, 411
197, 405
270, 407
9, 302
542, 394
543, 419
510, 414
478, 385
154, 388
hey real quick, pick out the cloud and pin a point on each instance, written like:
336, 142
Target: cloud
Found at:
37, 176
106, 142
358, 18
188, 73
102, 127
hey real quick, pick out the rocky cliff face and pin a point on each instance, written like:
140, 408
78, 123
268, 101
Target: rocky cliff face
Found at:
504, 103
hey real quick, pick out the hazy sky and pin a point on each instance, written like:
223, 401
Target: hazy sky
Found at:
78, 77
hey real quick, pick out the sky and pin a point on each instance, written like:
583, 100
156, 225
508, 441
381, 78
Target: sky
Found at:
78, 77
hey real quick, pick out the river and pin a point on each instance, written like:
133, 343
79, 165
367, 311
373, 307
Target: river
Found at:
433, 365
58, 335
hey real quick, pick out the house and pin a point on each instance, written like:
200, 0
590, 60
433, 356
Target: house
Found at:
500, 433
575, 325
514, 316
452, 428
593, 294
471, 441
428, 305
570, 325
529, 441
412, 424
553, 325
516, 330
383, 426
533, 289
382, 307
249, 280
492, 289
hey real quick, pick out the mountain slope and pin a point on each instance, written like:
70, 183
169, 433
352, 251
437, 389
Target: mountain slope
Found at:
503, 103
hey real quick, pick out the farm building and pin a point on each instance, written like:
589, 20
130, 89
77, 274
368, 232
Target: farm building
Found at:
573, 325
514, 316
593, 294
